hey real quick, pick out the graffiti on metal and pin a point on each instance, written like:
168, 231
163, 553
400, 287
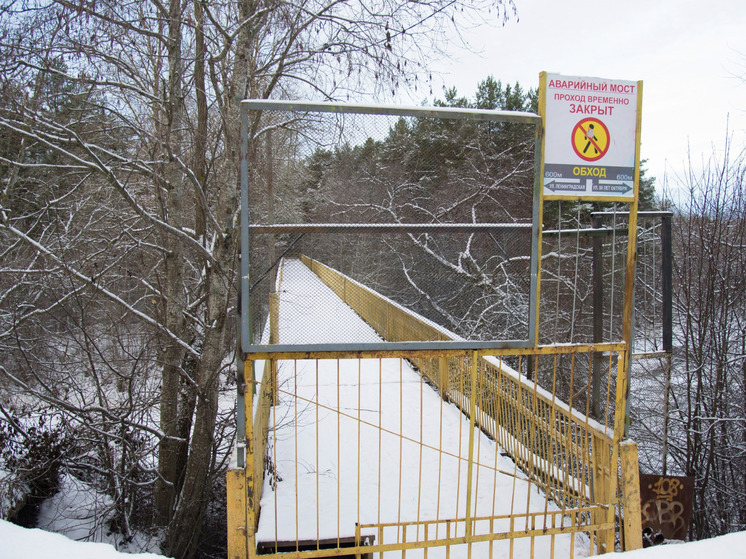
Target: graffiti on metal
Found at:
666, 506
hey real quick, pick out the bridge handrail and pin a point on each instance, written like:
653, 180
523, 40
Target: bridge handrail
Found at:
578, 474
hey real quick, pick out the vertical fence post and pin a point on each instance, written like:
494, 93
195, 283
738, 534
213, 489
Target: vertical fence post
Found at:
620, 416
239, 482
252, 501
472, 419
631, 496
274, 338
601, 487
242, 505
598, 317
236, 500
623, 371
667, 282
443, 370
236, 487
667, 293
357, 540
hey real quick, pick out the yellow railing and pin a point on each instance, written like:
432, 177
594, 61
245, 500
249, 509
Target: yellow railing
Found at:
530, 423
561, 450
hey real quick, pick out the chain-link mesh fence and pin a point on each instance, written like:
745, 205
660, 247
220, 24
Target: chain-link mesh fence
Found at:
438, 216
475, 285
359, 170
651, 361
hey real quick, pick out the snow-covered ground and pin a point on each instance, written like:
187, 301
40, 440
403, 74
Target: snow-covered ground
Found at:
77, 510
21, 543
348, 424
730, 546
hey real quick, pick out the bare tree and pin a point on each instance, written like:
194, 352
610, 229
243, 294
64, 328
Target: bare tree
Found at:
708, 387
119, 210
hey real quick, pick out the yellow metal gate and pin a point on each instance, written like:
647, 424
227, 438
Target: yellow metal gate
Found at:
428, 453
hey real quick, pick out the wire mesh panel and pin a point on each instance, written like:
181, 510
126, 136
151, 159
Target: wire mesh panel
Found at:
401, 200
584, 261
476, 284
584, 268
650, 367
653, 277
650, 385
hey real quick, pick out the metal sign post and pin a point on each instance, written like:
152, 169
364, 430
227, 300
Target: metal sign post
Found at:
591, 152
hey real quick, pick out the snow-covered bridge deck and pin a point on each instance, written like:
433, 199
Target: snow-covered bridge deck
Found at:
368, 442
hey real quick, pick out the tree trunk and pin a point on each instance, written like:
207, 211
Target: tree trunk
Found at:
169, 466
185, 528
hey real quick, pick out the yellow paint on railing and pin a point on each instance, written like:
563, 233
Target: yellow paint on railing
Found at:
562, 451
588, 445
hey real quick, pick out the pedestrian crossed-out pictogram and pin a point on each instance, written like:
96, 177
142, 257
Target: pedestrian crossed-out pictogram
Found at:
590, 139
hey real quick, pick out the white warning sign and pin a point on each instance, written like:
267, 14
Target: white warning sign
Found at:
591, 136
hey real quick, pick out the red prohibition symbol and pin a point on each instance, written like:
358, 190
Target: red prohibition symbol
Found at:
590, 139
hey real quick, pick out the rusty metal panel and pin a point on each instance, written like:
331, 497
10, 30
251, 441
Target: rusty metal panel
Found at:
666, 506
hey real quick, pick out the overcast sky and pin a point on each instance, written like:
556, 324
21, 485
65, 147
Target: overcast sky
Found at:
691, 56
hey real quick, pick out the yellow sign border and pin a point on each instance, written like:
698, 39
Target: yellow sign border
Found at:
588, 197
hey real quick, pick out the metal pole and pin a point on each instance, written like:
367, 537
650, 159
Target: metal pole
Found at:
243, 295
667, 280
538, 217
622, 383
245, 308
666, 390
598, 317
667, 291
